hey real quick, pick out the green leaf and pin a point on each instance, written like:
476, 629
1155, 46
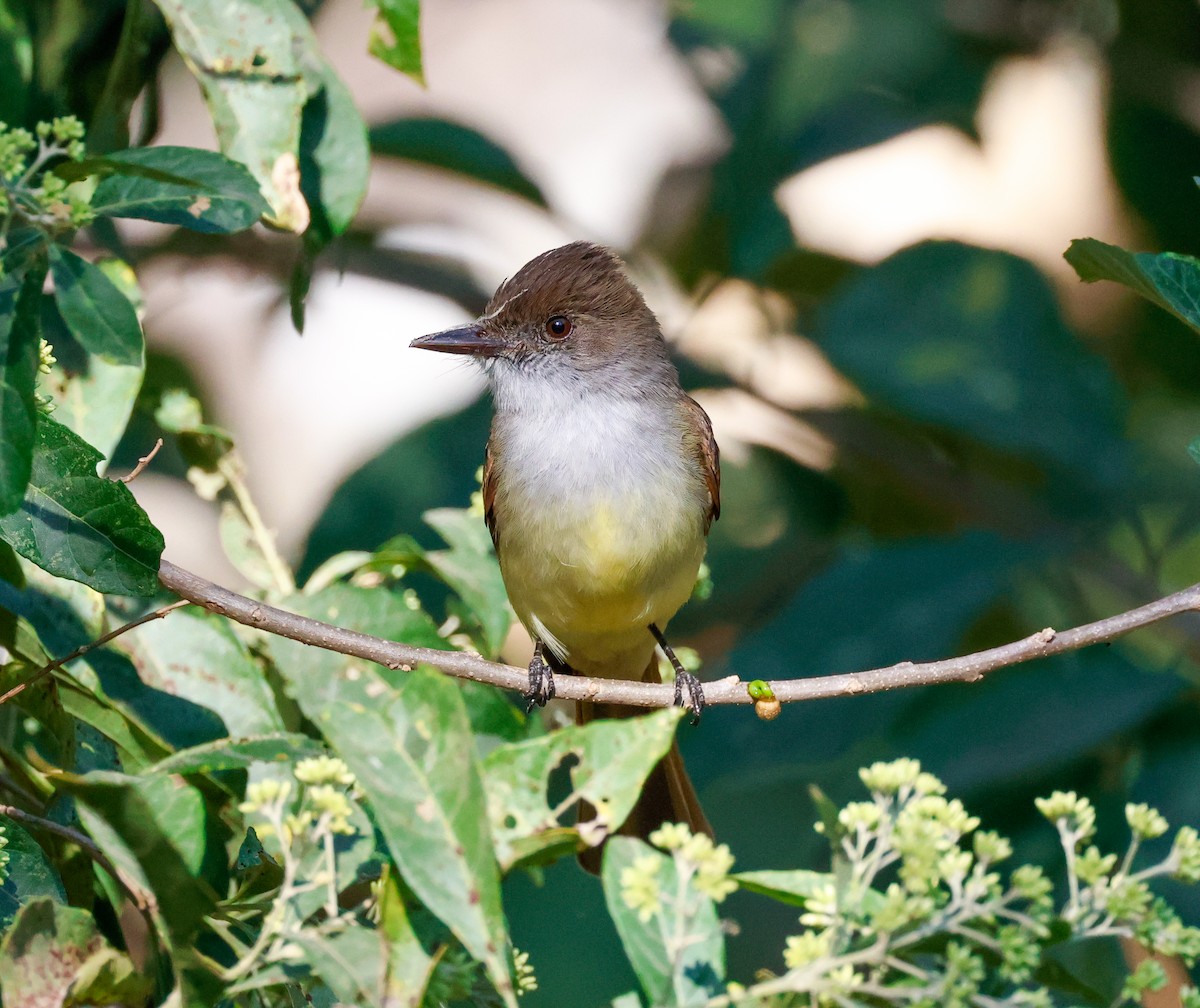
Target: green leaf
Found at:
97, 402
109, 977
790, 887
614, 759
77, 525
692, 976
335, 156
470, 569
966, 338
407, 966
493, 712
63, 615
396, 36
19, 340
335, 162
135, 61
377, 611
457, 148
412, 752
91, 395
158, 830
243, 548
284, 748
28, 876
99, 316
197, 656
349, 962
196, 189
54, 956
256, 83
138, 746
1167, 279
16, 62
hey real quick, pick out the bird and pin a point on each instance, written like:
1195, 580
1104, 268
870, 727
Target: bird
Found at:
601, 481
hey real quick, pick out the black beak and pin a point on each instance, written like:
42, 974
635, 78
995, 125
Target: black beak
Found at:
470, 339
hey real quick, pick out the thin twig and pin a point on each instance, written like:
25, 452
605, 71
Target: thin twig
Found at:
80, 651
230, 466
731, 690
144, 461
142, 899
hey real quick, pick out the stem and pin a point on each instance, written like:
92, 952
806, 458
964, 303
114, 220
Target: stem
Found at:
142, 462
978, 937
731, 690
1127, 861
679, 942
142, 899
45, 153
1067, 838
331, 896
231, 468
272, 924
808, 978
79, 652
1023, 919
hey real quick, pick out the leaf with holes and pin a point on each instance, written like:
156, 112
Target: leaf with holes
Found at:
615, 758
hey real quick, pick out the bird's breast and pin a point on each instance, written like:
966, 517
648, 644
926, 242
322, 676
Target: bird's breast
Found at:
603, 486
600, 514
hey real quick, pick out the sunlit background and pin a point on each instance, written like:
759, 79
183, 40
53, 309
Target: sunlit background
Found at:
850, 216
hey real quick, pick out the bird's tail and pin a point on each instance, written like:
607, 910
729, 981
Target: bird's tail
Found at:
667, 795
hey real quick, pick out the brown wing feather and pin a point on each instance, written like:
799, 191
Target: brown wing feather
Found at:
489, 495
709, 457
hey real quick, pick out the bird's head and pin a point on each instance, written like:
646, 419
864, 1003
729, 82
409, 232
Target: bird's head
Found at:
569, 313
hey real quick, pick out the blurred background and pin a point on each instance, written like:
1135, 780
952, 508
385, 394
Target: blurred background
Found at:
849, 216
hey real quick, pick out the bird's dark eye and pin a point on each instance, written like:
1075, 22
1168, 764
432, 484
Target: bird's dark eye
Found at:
558, 327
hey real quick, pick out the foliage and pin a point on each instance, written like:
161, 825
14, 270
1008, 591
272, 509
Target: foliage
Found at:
915, 911
194, 814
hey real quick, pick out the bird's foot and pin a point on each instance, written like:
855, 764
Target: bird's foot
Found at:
695, 702
684, 680
541, 681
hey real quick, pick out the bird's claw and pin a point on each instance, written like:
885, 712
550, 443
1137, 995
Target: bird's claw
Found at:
541, 682
695, 694
684, 680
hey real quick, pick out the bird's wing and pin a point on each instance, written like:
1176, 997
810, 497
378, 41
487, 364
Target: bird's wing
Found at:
708, 456
489, 494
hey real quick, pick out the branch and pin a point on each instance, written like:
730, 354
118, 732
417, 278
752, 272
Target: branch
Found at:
83, 649
142, 899
731, 690
144, 461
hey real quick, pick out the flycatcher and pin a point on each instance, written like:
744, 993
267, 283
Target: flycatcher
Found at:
600, 483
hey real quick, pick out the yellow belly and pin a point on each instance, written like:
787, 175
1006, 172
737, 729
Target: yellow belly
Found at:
590, 582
